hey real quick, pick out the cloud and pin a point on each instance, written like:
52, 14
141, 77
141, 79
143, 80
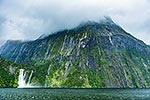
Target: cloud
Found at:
28, 19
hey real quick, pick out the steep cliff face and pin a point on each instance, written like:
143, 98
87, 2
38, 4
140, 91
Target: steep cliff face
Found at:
91, 55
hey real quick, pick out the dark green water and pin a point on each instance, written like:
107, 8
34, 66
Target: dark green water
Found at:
74, 94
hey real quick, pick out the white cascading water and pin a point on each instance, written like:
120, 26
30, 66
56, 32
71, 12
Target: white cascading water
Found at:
30, 78
22, 79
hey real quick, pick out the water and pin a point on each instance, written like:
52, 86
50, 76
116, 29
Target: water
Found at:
22, 79
74, 94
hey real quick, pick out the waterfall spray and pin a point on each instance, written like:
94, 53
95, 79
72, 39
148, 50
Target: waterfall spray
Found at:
22, 79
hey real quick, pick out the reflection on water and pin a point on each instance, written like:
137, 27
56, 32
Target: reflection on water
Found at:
74, 94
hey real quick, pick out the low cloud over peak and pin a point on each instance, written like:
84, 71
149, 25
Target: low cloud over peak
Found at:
29, 19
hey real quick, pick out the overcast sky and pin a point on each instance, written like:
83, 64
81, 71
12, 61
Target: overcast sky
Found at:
28, 19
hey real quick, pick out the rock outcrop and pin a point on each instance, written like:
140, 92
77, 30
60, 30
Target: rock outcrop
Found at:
94, 54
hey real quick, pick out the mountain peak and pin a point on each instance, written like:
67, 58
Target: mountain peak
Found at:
100, 51
87, 23
106, 20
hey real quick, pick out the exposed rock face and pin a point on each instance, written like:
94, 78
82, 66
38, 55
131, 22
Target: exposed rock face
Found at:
91, 55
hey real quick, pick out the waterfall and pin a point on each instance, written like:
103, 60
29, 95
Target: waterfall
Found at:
110, 38
22, 79
30, 77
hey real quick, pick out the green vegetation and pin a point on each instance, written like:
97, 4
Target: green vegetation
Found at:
8, 73
93, 55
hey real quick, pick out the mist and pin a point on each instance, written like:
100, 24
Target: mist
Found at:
29, 19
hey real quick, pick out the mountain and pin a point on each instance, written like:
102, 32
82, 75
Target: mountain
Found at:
94, 54
8, 73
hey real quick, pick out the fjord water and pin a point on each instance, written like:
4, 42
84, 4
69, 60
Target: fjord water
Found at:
73, 94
